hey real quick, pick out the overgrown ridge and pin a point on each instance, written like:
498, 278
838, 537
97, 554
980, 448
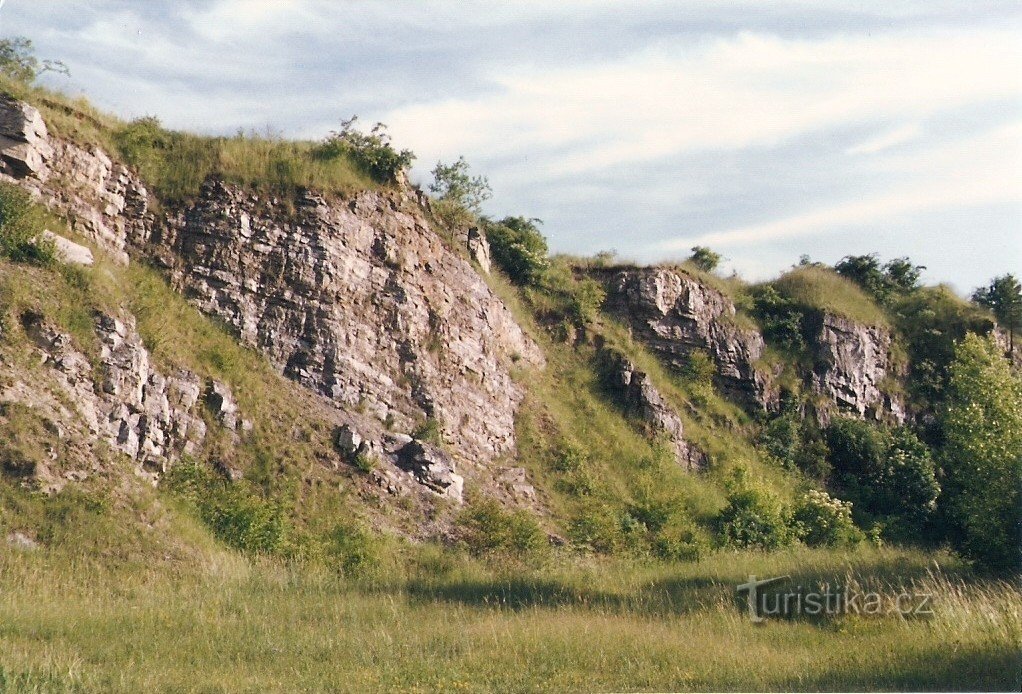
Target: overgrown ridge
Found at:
227, 351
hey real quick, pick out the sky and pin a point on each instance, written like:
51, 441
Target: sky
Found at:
765, 130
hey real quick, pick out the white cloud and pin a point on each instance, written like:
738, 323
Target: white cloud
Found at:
978, 171
889, 139
746, 91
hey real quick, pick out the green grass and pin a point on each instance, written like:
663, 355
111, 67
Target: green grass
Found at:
231, 624
174, 164
823, 289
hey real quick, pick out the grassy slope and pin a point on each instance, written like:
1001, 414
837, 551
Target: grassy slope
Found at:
824, 289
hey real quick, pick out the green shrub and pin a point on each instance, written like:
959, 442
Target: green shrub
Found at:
796, 444
452, 184
821, 520
587, 296
430, 431
704, 258
355, 549
21, 223
887, 473
234, 514
752, 519
372, 152
781, 318
485, 528
519, 249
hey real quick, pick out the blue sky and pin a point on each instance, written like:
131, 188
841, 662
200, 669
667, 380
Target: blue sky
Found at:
764, 130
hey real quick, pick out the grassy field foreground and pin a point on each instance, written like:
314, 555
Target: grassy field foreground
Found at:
233, 624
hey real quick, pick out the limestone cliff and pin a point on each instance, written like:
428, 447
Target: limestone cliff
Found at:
358, 299
675, 314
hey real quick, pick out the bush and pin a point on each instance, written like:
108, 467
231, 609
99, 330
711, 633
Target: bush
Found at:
820, 520
752, 519
704, 258
587, 296
233, 513
453, 184
354, 548
21, 223
797, 445
887, 473
486, 528
782, 319
372, 152
519, 249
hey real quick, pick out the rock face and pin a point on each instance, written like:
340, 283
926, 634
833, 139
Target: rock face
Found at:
101, 200
357, 300
24, 142
675, 314
643, 401
851, 361
138, 411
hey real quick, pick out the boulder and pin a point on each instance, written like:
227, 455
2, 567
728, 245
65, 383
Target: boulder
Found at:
68, 251
432, 468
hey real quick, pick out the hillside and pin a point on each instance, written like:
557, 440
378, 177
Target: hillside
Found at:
280, 374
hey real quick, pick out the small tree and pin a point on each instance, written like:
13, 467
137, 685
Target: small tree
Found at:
453, 183
704, 258
19, 63
983, 453
1003, 296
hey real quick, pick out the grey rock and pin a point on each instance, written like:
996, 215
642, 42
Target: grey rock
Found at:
432, 468
643, 401
68, 251
361, 302
515, 481
347, 440
675, 314
19, 540
24, 142
851, 362
221, 402
479, 248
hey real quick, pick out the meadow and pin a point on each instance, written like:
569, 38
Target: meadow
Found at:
448, 623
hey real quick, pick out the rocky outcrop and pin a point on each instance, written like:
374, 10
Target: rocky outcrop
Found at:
358, 300
851, 361
635, 391
24, 142
150, 417
675, 314
102, 200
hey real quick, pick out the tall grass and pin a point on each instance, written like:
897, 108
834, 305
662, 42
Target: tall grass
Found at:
235, 625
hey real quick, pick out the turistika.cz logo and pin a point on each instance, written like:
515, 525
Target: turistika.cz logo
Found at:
828, 601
